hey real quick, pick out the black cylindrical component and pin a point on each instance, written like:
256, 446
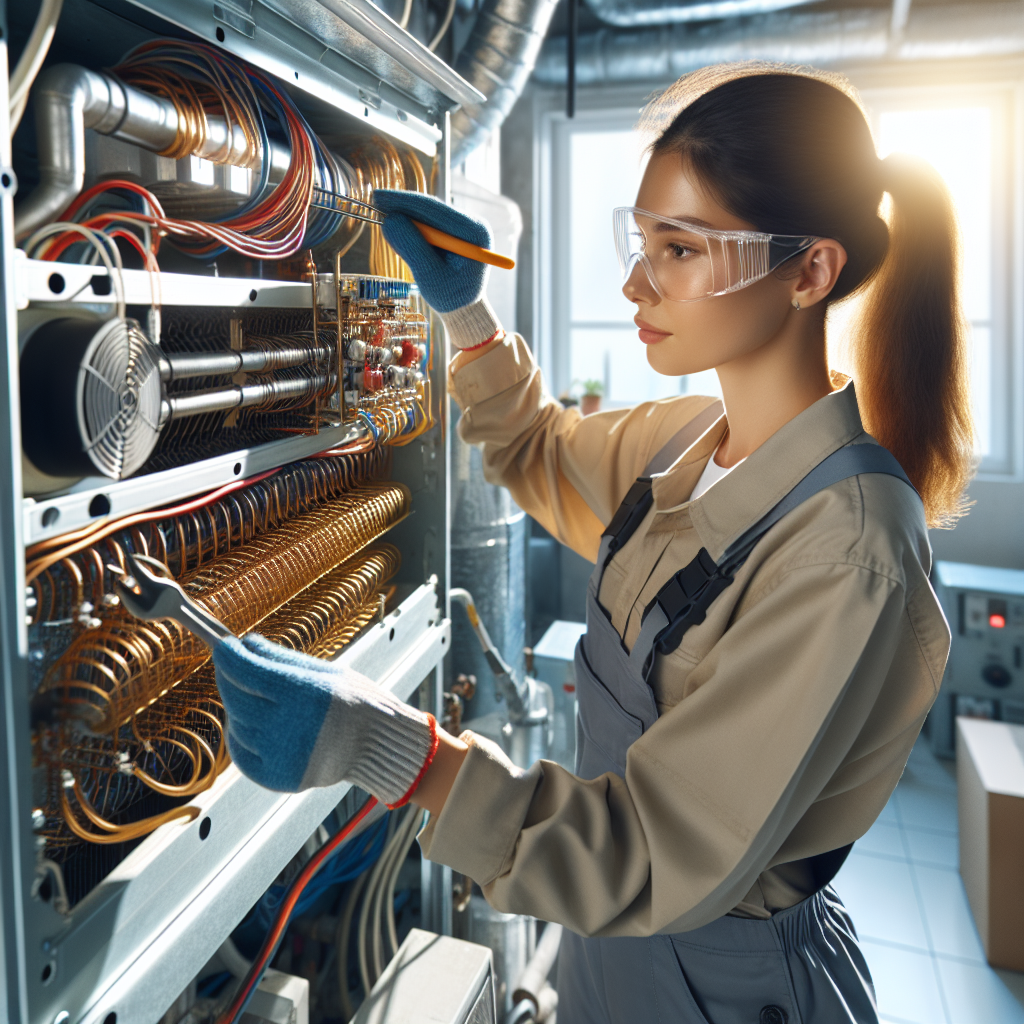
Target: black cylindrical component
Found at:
50, 364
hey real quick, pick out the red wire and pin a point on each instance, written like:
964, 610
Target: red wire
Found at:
266, 952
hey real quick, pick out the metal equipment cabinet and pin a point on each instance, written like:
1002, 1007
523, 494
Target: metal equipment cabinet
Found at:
128, 949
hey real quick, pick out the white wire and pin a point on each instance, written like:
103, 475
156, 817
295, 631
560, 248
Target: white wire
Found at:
103, 244
389, 896
406, 12
448, 15
32, 58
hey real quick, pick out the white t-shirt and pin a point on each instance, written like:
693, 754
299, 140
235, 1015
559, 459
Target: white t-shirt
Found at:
713, 472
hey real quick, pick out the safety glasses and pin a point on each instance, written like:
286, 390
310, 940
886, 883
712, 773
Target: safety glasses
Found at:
686, 261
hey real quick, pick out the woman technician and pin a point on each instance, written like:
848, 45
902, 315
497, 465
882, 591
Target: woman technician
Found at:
762, 643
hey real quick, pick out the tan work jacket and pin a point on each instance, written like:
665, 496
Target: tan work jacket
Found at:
786, 717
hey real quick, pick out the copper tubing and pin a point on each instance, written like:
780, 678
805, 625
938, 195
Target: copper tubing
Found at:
309, 621
108, 674
320, 620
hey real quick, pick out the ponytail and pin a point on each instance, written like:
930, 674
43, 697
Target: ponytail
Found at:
911, 361
789, 150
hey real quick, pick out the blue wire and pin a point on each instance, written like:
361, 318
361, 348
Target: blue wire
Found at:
373, 426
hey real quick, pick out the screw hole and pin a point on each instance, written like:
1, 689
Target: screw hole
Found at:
5, 178
56, 281
111, 1018
47, 973
443, 640
296, 74
238, 468
50, 516
99, 506
204, 827
100, 284
252, 295
391, 635
220, 35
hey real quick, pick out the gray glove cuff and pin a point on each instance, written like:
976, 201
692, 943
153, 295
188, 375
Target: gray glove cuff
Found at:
391, 739
471, 325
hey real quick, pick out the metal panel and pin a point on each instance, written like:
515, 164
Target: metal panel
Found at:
48, 517
335, 56
138, 939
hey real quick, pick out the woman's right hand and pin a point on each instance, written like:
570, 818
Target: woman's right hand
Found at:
446, 280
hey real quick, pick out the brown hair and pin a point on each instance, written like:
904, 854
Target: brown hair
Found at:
791, 152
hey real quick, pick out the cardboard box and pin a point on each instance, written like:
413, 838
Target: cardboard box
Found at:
990, 785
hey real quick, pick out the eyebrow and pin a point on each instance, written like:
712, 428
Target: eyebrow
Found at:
695, 221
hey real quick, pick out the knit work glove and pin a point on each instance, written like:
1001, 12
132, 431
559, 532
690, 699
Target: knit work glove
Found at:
295, 722
451, 284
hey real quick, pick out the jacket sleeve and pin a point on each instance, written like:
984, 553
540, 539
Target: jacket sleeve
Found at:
711, 791
567, 471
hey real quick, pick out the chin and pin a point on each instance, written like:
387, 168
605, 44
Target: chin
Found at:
662, 359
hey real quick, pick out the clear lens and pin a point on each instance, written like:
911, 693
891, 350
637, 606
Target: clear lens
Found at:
685, 262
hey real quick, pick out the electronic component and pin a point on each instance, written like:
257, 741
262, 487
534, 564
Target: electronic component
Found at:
984, 676
433, 979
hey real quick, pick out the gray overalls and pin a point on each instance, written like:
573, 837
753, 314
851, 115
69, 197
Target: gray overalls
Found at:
801, 966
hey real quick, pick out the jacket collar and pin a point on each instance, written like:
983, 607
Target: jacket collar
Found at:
752, 489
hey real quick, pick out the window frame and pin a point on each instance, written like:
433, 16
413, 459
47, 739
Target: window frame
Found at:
1000, 84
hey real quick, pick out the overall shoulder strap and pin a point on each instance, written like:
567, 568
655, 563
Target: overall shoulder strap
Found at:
637, 502
684, 600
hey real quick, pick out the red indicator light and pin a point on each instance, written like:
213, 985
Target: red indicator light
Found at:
997, 621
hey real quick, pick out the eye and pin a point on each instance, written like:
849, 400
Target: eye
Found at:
680, 251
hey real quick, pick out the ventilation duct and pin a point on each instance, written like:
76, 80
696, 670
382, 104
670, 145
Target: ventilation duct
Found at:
634, 13
980, 30
498, 59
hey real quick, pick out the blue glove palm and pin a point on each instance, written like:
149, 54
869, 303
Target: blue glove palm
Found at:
447, 281
295, 722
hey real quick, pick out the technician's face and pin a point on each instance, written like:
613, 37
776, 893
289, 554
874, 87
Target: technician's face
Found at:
687, 337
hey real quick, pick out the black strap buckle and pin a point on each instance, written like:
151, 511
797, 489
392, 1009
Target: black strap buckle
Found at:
629, 515
686, 597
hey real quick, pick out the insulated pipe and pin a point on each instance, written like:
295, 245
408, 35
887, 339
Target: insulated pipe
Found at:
964, 31
634, 13
516, 695
533, 980
497, 59
69, 98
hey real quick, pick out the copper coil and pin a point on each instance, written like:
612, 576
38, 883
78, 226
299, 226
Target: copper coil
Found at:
186, 542
109, 673
176, 746
312, 618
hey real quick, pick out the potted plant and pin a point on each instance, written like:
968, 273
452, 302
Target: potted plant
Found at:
591, 399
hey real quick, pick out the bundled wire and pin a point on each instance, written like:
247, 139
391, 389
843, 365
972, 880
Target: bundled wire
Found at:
234, 1012
276, 221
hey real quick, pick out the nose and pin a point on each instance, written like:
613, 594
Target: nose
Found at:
638, 286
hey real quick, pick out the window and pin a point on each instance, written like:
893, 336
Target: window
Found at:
594, 164
604, 164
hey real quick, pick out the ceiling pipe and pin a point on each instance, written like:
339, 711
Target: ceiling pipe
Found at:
637, 13
498, 58
978, 30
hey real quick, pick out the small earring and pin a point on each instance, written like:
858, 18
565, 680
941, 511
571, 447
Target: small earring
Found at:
796, 305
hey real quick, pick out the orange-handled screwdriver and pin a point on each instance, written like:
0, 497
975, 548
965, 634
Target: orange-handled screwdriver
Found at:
334, 201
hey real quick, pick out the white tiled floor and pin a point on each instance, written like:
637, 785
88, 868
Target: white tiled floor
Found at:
903, 889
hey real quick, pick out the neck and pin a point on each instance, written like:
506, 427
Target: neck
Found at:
763, 390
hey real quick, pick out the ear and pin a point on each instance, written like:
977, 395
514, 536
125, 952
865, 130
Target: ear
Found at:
819, 271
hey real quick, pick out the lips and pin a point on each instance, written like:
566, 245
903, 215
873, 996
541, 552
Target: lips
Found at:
649, 335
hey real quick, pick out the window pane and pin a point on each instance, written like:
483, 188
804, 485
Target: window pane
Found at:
958, 143
615, 357
981, 385
605, 173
